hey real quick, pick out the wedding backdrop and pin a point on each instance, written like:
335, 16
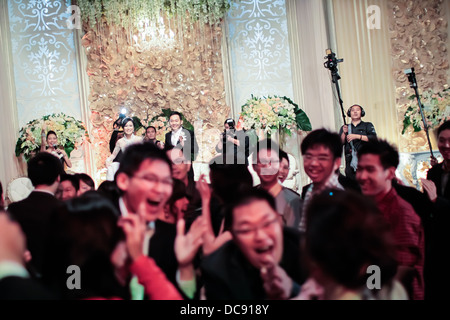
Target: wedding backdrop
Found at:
206, 58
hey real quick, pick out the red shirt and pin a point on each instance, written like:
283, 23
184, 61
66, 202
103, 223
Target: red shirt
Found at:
407, 231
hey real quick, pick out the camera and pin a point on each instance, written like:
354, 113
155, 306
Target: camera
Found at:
230, 123
331, 62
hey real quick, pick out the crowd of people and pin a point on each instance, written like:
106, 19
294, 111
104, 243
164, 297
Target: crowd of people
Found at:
151, 232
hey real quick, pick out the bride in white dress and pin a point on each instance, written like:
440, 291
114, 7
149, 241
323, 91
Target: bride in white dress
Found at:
128, 139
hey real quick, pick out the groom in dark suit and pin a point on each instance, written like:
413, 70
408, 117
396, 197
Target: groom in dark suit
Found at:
181, 138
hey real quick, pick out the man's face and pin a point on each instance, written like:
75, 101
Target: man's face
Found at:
175, 122
258, 233
444, 144
66, 190
150, 133
355, 113
12, 238
372, 177
319, 164
180, 167
148, 189
268, 166
284, 170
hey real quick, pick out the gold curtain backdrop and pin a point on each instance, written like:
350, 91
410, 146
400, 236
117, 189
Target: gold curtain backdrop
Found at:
411, 34
185, 76
419, 39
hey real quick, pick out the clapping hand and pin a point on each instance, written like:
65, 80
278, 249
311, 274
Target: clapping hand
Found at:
430, 188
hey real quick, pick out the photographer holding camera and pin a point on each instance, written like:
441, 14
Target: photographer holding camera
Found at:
233, 144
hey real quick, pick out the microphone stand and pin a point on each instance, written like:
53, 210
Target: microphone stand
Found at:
413, 84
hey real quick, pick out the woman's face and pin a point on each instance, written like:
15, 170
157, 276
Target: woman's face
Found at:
129, 128
181, 205
52, 140
84, 188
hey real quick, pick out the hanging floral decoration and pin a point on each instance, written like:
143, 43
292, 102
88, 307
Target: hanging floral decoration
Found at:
71, 134
132, 12
436, 109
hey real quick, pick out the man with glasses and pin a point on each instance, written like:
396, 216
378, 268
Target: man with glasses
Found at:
145, 180
266, 163
263, 259
321, 151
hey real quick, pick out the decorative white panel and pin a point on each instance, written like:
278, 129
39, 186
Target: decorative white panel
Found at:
44, 59
259, 50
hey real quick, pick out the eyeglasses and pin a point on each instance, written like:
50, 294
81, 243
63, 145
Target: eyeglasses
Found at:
152, 179
250, 231
309, 157
267, 163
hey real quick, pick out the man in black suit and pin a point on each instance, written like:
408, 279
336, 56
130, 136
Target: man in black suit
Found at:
181, 138
263, 259
34, 213
437, 187
15, 283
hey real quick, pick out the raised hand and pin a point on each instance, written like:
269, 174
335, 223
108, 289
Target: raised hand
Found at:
203, 188
187, 245
134, 228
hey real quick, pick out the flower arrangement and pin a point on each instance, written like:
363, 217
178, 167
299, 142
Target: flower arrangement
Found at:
436, 109
71, 134
161, 123
273, 114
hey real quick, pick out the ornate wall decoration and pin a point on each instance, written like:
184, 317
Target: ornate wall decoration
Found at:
43, 52
186, 77
419, 39
259, 49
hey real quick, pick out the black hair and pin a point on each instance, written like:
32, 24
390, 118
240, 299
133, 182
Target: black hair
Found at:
135, 154
387, 153
86, 179
84, 233
284, 155
73, 180
1, 197
230, 120
442, 127
125, 121
247, 196
109, 190
44, 169
51, 132
176, 113
227, 178
179, 192
323, 137
346, 233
